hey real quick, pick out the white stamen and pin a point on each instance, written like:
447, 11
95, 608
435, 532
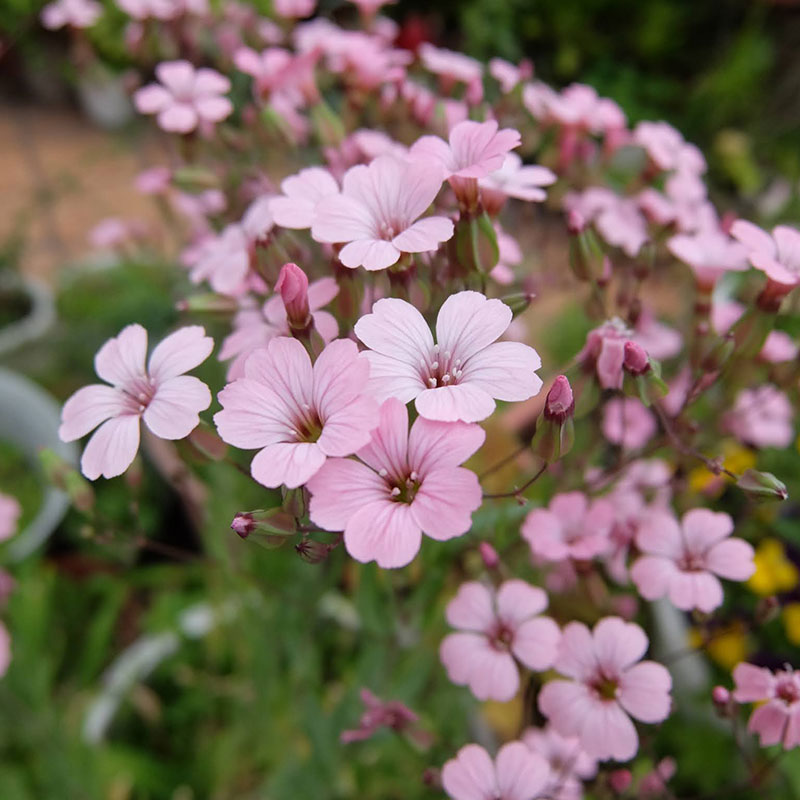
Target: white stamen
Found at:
414, 475
436, 349
432, 383
395, 492
435, 365
383, 472
445, 379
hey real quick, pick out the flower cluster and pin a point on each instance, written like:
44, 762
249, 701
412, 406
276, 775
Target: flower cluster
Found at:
374, 298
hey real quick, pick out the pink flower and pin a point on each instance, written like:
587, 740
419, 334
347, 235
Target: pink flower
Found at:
516, 774
778, 346
168, 400
458, 378
296, 414
569, 764
405, 484
629, 510
667, 148
452, 68
778, 255
474, 150
682, 561
377, 213
185, 97
382, 714
514, 179
617, 219
294, 9
254, 327
154, 181
777, 720
604, 352
301, 193
508, 75
496, 627
628, 423
162, 9
570, 527
710, 253
579, 106
761, 417
74, 13
10, 512
659, 340
224, 260
608, 682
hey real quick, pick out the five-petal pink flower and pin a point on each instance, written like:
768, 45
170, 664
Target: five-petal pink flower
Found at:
517, 773
460, 376
776, 255
406, 484
609, 684
185, 97
297, 414
494, 628
685, 560
377, 215
777, 718
168, 401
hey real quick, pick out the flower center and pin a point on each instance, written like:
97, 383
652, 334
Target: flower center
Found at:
140, 393
692, 562
307, 424
787, 689
440, 368
501, 636
403, 490
606, 688
387, 231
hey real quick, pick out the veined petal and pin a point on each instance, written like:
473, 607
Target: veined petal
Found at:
288, 464
120, 361
87, 408
331, 508
468, 322
505, 370
384, 532
112, 448
180, 352
173, 413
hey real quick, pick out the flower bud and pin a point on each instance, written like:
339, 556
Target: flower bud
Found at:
292, 284
636, 360
620, 780
762, 485
585, 252
560, 402
311, 551
720, 695
476, 244
489, 555
269, 527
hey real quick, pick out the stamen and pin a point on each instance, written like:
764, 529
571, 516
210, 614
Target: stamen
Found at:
432, 383
445, 379
395, 492
383, 472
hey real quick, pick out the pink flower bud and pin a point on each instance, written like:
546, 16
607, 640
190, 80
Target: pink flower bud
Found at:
489, 555
636, 360
243, 524
575, 222
619, 780
293, 287
560, 402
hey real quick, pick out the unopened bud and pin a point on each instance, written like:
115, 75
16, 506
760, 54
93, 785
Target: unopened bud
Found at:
518, 302
620, 780
489, 555
560, 402
576, 223
762, 486
476, 244
636, 360
195, 179
311, 551
269, 527
585, 252
721, 698
292, 284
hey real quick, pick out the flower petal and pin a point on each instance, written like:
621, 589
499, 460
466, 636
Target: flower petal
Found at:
173, 413
505, 370
120, 361
468, 322
112, 448
288, 464
384, 532
87, 408
331, 505
179, 352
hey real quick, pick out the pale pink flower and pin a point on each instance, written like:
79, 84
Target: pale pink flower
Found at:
10, 512
516, 773
630, 509
513, 179
154, 181
458, 378
627, 422
267, 68
301, 193
777, 719
161, 394
685, 560
452, 68
185, 97
604, 352
617, 219
294, 9
197, 208
608, 683
776, 255
405, 484
710, 253
297, 415
659, 340
74, 13
494, 629
254, 327
224, 260
509, 75
572, 526
761, 417
162, 9
569, 764
377, 213
667, 148
474, 149
579, 106
113, 232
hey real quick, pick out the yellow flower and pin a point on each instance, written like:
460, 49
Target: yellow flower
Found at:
791, 622
774, 572
505, 718
727, 647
